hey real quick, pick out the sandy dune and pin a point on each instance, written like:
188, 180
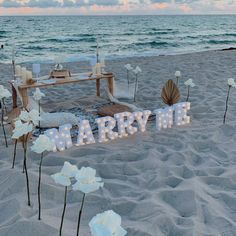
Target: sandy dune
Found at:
177, 182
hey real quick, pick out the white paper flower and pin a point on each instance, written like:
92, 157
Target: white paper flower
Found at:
192, 85
24, 116
21, 129
59, 178
128, 67
63, 177
69, 170
37, 95
42, 144
107, 223
188, 82
4, 93
178, 74
32, 116
231, 83
87, 182
137, 70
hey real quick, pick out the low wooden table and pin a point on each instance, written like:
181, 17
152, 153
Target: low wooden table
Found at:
23, 89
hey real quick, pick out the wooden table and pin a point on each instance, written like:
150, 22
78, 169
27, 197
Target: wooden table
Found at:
23, 89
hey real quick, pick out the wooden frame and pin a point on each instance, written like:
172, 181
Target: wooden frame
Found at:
23, 89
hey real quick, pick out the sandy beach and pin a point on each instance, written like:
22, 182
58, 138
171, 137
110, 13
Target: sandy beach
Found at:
174, 182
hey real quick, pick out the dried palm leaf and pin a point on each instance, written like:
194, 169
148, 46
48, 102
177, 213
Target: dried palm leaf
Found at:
170, 93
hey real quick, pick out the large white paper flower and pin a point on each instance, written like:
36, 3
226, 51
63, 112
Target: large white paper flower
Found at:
69, 170
61, 179
107, 223
32, 116
21, 129
4, 93
137, 70
231, 83
87, 182
188, 82
128, 67
42, 144
37, 95
177, 74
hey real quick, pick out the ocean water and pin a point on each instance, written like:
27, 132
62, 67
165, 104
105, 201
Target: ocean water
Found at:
42, 38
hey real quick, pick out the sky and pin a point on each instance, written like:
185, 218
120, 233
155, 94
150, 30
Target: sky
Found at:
114, 7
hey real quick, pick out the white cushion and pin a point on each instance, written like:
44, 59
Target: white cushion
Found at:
57, 119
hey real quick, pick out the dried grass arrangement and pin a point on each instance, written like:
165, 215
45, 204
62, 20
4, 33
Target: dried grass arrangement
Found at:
170, 93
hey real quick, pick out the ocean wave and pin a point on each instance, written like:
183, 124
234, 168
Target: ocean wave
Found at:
162, 29
229, 34
70, 39
155, 44
34, 47
149, 33
214, 41
3, 34
83, 35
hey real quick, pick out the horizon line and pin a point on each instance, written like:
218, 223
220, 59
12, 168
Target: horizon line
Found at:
181, 14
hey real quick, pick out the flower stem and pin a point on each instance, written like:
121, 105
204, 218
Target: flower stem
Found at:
128, 78
25, 167
63, 213
39, 120
3, 128
4, 105
136, 85
80, 214
14, 154
188, 94
23, 170
177, 80
226, 104
39, 186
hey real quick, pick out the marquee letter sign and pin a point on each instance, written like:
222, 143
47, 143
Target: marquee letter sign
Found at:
85, 135
105, 129
61, 138
124, 122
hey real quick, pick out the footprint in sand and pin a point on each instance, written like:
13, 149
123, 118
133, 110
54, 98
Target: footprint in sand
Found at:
182, 201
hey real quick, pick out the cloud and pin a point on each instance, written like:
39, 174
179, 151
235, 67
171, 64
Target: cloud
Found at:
57, 3
119, 6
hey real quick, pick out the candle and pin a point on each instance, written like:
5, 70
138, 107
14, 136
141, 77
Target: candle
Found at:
98, 68
18, 70
103, 62
103, 65
29, 75
94, 70
23, 74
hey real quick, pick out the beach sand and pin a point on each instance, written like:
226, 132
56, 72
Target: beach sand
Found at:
174, 182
